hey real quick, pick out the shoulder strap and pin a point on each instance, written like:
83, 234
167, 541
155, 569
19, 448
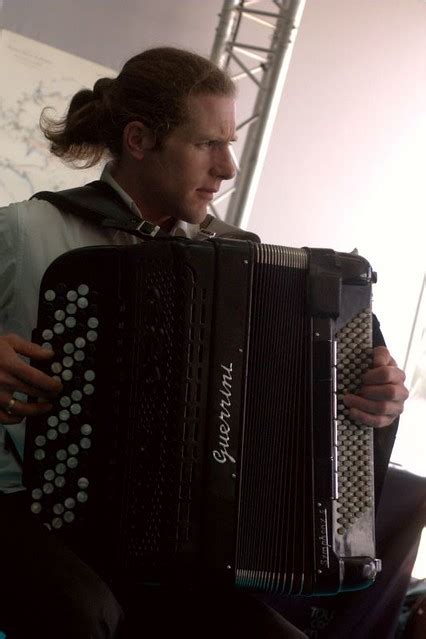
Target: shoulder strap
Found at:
101, 204
213, 227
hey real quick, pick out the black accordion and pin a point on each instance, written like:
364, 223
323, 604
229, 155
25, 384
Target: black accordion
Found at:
201, 435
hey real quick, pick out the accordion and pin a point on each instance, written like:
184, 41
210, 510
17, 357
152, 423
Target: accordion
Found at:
201, 435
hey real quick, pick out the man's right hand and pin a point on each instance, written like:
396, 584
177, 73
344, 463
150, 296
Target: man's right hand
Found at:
18, 376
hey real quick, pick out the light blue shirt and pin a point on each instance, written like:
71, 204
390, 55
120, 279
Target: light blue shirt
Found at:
32, 234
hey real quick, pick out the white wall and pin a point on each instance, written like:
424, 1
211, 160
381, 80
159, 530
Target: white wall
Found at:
345, 167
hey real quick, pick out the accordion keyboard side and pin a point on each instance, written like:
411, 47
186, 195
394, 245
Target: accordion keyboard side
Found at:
70, 459
119, 474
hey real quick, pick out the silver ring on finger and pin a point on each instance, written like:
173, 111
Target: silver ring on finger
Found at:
9, 407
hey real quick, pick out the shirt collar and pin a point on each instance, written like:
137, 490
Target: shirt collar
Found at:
107, 177
180, 229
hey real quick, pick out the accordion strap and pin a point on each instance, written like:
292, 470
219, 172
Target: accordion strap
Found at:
99, 203
213, 227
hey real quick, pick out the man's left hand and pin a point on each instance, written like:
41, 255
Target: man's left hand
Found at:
380, 400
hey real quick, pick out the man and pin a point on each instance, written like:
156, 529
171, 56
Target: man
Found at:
166, 123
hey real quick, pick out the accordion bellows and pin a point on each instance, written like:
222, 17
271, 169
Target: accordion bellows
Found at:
201, 436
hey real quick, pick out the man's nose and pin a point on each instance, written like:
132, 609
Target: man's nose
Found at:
225, 167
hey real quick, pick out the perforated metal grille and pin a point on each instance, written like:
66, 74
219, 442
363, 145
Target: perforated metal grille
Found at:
355, 442
164, 464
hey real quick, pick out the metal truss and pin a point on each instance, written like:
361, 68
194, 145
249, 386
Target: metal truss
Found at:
254, 42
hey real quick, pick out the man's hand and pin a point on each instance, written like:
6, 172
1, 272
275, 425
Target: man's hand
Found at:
17, 375
380, 400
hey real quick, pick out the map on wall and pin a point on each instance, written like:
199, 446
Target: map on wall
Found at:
33, 76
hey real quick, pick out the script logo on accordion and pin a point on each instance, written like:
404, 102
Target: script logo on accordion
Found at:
324, 558
221, 453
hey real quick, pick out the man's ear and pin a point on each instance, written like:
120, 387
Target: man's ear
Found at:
137, 139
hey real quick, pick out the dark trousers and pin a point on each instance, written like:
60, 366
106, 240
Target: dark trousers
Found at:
371, 613
47, 592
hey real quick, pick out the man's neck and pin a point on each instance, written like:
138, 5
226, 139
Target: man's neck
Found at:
131, 186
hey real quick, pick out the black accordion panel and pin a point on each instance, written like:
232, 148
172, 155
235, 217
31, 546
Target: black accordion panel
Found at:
201, 436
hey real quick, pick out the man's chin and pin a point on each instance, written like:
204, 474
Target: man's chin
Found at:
195, 217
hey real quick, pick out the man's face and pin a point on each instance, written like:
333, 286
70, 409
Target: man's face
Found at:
181, 177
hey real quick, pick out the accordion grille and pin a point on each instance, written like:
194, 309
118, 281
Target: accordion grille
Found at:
163, 442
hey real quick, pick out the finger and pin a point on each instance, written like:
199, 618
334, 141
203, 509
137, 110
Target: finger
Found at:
374, 407
28, 349
12, 385
367, 419
38, 381
389, 392
382, 357
14, 366
6, 397
383, 375
23, 409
